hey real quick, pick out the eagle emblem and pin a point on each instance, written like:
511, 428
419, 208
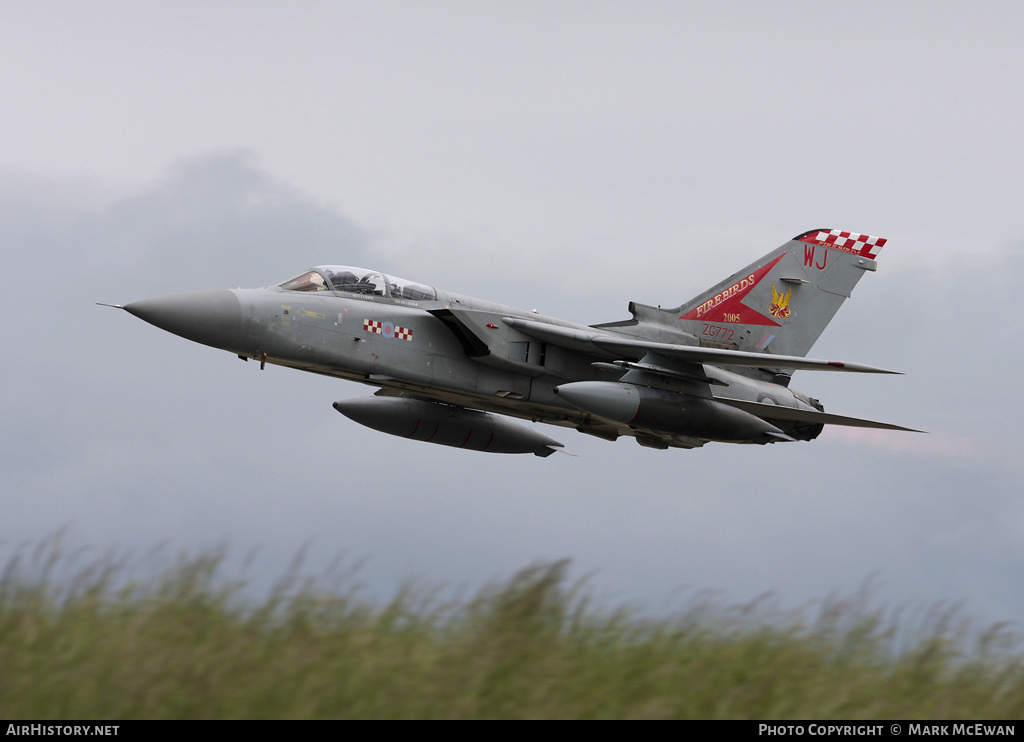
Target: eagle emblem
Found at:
779, 308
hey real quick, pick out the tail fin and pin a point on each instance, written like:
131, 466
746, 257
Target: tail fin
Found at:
781, 303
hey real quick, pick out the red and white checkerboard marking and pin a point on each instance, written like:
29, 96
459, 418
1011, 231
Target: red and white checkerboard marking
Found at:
387, 329
861, 244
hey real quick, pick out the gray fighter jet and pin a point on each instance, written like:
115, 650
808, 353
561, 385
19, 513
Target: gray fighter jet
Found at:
452, 369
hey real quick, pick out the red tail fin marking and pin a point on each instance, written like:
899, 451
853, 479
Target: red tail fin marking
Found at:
727, 305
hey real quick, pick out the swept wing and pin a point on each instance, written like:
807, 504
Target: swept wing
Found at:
596, 342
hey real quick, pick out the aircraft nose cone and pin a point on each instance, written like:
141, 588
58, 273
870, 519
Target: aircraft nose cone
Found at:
207, 317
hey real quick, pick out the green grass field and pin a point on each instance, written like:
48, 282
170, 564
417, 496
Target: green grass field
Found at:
90, 645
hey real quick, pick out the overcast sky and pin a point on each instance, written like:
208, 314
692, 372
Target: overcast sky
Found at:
565, 156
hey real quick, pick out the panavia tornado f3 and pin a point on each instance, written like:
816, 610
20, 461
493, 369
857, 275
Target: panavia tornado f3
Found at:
453, 370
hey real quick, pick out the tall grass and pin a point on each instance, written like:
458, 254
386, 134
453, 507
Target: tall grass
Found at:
89, 642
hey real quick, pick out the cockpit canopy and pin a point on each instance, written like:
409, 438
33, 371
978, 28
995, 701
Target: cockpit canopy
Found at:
351, 280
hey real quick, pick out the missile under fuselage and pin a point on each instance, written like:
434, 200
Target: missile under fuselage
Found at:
664, 412
446, 425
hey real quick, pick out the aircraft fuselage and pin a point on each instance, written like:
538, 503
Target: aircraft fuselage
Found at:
456, 350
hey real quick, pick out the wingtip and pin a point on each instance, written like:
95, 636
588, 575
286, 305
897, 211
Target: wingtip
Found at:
861, 368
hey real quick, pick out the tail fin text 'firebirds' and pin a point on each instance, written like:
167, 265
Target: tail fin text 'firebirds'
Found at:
452, 369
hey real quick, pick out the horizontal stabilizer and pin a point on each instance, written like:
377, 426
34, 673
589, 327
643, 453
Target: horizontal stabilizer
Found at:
776, 412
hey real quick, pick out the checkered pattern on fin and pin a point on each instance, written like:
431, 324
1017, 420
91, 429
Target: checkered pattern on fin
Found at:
861, 244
